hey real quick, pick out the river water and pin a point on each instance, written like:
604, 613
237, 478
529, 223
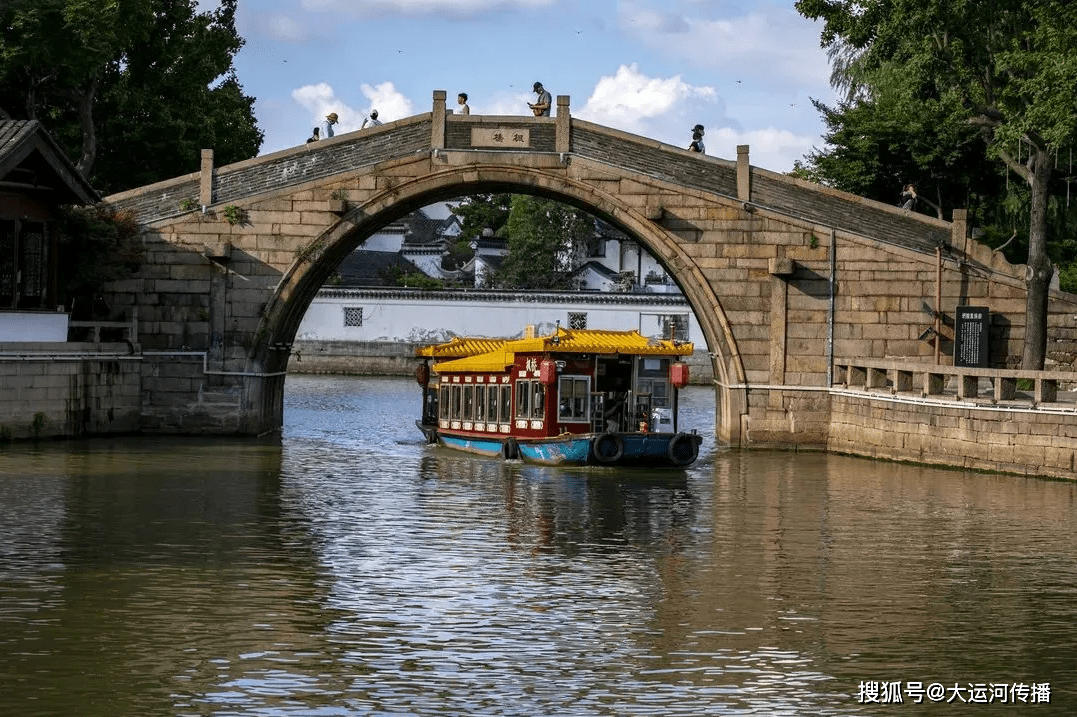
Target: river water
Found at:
350, 569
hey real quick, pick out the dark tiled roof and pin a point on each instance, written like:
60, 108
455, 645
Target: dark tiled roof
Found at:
491, 243
27, 149
372, 268
600, 269
494, 261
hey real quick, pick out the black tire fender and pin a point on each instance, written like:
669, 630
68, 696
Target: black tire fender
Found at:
607, 448
683, 449
509, 450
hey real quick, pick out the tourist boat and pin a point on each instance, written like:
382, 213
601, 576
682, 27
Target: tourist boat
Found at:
575, 397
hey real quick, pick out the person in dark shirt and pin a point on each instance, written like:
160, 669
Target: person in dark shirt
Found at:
697, 140
541, 107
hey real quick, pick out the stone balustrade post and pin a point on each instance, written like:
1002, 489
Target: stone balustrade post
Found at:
205, 188
744, 176
959, 230
563, 128
437, 132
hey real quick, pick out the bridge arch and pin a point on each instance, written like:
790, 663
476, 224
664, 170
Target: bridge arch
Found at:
784, 276
308, 273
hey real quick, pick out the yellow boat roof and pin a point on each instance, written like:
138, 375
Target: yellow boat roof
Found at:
577, 341
459, 347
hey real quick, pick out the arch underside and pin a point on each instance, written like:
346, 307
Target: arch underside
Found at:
308, 274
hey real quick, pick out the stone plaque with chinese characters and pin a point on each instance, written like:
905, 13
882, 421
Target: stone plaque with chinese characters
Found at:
504, 137
972, 329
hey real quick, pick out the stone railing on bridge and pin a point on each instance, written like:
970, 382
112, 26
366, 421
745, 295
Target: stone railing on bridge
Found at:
440, 130
957, 383
282, 170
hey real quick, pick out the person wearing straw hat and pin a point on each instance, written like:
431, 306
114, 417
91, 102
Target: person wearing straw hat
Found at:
327, 126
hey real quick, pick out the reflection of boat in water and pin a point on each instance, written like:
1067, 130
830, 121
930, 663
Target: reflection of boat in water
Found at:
575, 397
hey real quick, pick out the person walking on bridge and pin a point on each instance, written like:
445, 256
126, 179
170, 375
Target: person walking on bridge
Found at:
327, 126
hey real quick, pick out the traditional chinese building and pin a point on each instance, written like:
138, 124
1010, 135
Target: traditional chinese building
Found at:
36, 179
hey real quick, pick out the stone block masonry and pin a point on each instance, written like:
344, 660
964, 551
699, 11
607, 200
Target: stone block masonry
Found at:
972, 437
785, 277
68, 389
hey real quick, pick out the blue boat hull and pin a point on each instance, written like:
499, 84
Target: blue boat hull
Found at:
654, 450
613, 449
489, 447
561, 451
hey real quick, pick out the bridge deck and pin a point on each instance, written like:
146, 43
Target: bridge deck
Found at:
349, 153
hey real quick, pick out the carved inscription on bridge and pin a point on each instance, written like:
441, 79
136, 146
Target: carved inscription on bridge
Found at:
504, 137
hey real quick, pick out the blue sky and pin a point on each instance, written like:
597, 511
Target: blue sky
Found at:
745, 70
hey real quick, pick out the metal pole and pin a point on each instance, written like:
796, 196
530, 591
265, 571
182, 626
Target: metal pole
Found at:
830, 310
938, 303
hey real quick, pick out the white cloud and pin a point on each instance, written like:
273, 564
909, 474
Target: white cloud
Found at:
775, 43
505, 103
632, 101
390, 104
450, 8
770, 148
321, 99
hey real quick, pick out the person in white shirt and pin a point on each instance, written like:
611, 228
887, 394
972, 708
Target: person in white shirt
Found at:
327, 126
372, 120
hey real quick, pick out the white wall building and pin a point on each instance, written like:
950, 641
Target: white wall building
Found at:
348, 322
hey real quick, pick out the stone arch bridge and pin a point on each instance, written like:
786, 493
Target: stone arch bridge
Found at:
785, 277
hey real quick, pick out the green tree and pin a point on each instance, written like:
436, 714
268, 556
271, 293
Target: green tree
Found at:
1007, 68
544, 240
99, 245
482, 211
134, 88
873, 149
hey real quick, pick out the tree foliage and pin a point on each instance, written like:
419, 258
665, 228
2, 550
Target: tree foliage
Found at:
545, 238
874, 149
98, 244
1005, 68
483, 211
134, 88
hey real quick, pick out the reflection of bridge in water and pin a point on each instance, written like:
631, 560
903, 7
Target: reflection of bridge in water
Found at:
784, 276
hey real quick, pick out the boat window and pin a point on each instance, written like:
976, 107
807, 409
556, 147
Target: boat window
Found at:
660, 393
480, 403
538, 400
654, 379
455, 390
506, 403
469, 403
523, 399
443, 403
491, 404
653, 367
574, 393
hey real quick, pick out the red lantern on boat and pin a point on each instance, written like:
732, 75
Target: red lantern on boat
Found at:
678, 374
548, 372
422, 374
